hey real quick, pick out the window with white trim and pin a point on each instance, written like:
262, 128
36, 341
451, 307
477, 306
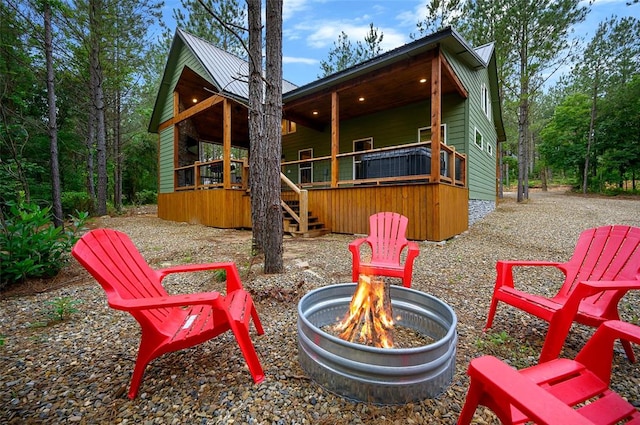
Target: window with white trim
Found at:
479, 142
485, 100
490, 149
360, 145
288, 127
305, 169
424, 134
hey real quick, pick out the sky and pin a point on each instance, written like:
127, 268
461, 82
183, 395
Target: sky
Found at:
310, 27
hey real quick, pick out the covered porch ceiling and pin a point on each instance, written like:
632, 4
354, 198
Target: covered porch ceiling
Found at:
402, 83
209, 123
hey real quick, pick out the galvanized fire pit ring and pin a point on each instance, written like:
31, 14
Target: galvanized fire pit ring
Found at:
378, 375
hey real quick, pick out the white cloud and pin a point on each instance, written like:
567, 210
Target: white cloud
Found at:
410, 18
323, 35
291, 7
304, 61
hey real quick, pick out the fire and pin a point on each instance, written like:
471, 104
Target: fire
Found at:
369, 320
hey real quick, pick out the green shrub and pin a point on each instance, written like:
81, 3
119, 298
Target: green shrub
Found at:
145, 197
30, 246
76, 201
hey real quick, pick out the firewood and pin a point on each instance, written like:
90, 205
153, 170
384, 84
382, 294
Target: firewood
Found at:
369, 320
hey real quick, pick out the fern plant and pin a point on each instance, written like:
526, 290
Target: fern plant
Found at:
30, 246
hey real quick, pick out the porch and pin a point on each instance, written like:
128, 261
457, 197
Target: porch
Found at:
437, 210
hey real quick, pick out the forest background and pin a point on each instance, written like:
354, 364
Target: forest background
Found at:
84, 74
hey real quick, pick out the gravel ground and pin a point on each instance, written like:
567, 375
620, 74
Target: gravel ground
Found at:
78, 370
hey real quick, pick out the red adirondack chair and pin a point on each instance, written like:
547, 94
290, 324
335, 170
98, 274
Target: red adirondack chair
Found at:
387, 240
555, 392
604, 266
168, 322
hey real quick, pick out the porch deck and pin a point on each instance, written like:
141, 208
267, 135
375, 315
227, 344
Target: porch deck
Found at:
437, 208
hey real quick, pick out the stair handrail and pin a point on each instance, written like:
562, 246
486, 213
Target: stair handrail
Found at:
303, 200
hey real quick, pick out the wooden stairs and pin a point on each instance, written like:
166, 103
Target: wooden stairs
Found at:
315, 227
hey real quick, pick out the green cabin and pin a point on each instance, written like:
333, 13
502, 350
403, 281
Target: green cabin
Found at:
354, 143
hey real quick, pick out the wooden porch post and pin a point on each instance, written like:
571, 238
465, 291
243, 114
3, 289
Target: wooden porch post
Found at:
176, 138
226, 144
436, 92
335, 137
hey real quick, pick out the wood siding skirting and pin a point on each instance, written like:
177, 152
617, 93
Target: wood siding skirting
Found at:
436, 212
227, 209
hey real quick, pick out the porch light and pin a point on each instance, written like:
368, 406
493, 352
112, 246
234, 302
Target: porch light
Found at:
195, 100
361, 99
423, 80
315, 112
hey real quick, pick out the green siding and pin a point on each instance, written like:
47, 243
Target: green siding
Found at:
166, 159
388, 128
481, 165
165, 170
185, 58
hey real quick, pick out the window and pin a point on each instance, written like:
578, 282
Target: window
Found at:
490, 149
359, 146
208, 151
485, 100
288, 127
424, 134
478, 141
305, 169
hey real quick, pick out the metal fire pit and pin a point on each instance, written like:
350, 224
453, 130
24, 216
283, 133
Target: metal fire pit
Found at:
378, 375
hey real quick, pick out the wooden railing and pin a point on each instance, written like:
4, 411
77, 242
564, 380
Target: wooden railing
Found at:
303, 202
454, 171
209, 175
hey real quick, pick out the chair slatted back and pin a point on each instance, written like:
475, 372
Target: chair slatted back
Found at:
608, 253
115, 262
387, 232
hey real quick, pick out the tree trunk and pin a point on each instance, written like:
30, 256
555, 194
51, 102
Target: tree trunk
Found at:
256, 126
53, 123
585, 175
523, 120
91, 137
95, 9
273, 229
117, 152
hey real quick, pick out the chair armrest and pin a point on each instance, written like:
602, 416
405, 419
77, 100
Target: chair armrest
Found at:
603, 285
597, 353
233, 277
413, 250
504, 383
587, 288
355, 245
164, 302
188, 268
504, 269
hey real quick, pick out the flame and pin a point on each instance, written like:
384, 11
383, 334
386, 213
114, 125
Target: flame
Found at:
370, 310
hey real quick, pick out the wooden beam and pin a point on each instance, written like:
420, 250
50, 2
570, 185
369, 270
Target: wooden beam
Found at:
456, 81
436, 119
226, 144
176, 103
176, 143
188, 113
335, 137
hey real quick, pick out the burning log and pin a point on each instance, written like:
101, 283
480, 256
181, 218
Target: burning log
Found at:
370, 318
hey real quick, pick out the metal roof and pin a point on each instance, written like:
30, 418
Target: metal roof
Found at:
229, 72
484, 52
